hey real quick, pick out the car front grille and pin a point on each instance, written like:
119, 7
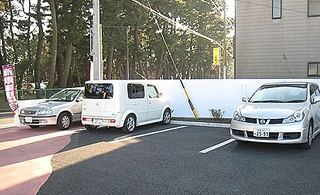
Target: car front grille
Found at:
266, 121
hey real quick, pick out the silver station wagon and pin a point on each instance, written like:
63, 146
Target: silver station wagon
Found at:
60, 109
284, 113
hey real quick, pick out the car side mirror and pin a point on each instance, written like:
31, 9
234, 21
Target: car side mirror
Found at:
245, 99
80, 99
159, 95
316, 99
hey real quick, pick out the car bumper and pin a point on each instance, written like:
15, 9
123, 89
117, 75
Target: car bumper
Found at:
293, 133
38, 120
102, 121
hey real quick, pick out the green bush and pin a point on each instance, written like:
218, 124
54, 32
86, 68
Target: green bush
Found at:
217, 113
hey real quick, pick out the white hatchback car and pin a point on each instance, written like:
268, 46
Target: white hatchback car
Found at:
61, 109
123, 104
284, 113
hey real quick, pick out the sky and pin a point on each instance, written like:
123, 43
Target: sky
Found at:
230, 6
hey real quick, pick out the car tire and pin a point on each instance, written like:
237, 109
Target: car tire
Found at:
129, 124
308, 144
241, 143
34, 126
90, 127
64, 121
166, 117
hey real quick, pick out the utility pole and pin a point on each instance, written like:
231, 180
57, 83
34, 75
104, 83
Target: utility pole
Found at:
224, 41
127, 66
96, 41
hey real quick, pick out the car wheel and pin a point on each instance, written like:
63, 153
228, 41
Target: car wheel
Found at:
308, 144
129, 124
166, 116
64, 121
90, 127
34, 126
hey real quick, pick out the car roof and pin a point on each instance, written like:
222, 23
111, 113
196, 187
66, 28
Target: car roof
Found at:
140, 81
290, 83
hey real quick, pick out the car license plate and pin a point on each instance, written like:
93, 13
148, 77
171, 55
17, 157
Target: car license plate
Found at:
100, 122
28, 119
261, 132
96, 122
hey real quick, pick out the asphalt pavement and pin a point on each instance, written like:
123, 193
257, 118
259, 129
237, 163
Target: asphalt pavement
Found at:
6, 115
154, 159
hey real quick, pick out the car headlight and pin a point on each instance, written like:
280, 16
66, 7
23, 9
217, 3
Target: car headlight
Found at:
238, 116
22, 111
297, 116
44, 112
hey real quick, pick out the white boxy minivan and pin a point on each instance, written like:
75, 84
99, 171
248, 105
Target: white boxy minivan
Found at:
123, 104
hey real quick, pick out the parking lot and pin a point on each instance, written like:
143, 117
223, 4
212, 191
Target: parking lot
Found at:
179, 159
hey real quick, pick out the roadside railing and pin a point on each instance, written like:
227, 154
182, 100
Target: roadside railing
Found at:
26, 94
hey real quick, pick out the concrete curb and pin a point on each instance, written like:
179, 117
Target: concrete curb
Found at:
203, 124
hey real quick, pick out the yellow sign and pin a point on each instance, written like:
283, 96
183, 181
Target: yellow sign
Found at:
216, 56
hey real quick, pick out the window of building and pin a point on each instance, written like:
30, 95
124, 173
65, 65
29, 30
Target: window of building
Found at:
313, 8
276, 9
313, 69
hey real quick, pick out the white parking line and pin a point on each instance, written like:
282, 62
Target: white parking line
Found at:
147, 134
216, 146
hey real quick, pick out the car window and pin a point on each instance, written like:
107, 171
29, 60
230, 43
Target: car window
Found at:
135, 91
98, 91
152, 91
314, 91
81, 95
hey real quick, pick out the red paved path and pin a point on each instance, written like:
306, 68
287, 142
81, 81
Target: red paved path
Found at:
25, 157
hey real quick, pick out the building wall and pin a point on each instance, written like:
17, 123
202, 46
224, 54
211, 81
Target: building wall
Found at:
275, 48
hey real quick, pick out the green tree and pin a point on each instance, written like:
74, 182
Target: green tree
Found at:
54, 43
49, 39
73, 24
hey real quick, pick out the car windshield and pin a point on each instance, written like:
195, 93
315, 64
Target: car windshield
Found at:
67, 95
280, 93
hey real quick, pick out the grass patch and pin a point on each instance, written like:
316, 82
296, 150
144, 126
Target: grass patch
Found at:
206, 120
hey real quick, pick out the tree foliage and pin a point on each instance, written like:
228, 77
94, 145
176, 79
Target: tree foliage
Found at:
55, 48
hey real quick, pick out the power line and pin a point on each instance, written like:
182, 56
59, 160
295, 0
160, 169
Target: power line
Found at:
177, 24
